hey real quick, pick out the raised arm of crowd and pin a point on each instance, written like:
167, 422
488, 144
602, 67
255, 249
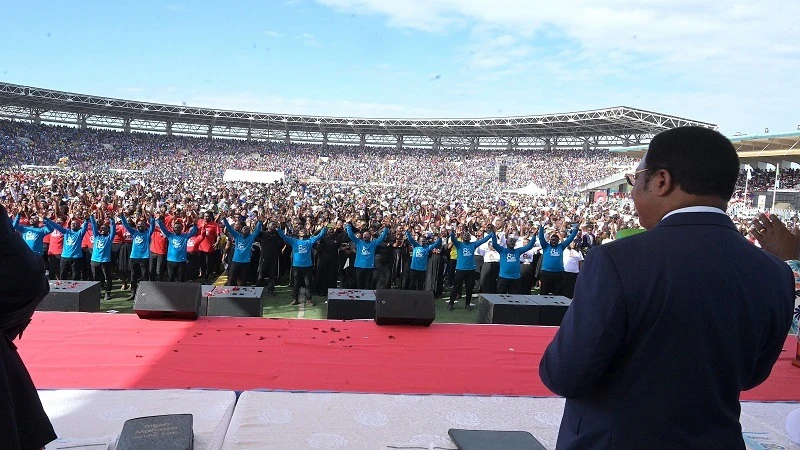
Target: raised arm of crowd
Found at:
334, 204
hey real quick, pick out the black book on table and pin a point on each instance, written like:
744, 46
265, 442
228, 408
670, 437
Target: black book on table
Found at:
169, 431
494, 440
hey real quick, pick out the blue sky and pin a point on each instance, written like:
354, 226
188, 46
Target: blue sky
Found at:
734, 63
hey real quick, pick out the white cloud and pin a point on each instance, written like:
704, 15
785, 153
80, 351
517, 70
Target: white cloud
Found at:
736, 54
176, 7
678, 30
309, 40
271, 33
495, 52
434, 16
659, 25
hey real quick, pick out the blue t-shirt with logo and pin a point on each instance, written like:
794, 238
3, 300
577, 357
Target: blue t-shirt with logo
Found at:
101, 245
33, 236
466, 251
365, 251
510, 258
243, 245
140, 247
419, 253
301, 248
72, 239
553, 257
176, 243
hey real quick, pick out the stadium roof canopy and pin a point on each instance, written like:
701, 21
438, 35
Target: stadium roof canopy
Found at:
610, 127
770, 148
754, 150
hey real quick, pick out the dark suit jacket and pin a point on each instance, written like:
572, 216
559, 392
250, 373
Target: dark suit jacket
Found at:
665, 330
23, 422
587, 241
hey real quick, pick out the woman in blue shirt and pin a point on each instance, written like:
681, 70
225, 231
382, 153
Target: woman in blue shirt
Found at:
419, 260
302, 270
176, 249
140, 250
365, 255
239, 269
102, 236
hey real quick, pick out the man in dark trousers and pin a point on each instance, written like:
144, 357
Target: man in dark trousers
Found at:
668, 327
365, 255
325, 271
140, 250
302, 266
23, 285
271, 246
419, 260
552, 273
239, 269
72, 253
465, 266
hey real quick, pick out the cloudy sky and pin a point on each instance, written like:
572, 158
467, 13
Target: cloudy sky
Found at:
734, 63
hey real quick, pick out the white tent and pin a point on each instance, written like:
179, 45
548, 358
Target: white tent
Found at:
531, 189
252, 176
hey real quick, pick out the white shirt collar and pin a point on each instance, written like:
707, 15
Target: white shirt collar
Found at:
688, 209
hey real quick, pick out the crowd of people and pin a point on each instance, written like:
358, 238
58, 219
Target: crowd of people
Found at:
170, 215
688, 313
764, 179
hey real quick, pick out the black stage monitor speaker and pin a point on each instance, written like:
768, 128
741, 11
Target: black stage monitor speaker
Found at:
83, 296
552, 308
232, 301
162, 300
399, 307
349, 304
522, 309
508, 309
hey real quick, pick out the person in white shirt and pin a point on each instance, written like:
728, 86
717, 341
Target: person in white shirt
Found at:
489, 271
573, 259
479, 252
528, 267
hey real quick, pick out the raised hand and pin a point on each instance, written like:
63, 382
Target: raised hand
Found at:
775, 237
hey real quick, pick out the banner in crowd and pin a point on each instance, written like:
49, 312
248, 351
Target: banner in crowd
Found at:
128, 171
30, 166
252, 176
600, 196
761, 202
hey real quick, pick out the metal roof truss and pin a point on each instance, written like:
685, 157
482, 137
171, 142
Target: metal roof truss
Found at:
611, 127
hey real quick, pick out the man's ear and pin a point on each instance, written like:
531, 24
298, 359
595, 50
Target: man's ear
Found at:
662, 183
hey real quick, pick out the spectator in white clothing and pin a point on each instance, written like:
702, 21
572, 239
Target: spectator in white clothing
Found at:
573, 259
490, 270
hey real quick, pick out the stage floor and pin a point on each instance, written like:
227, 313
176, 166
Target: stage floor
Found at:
420, 422
294, 420
120, 351
79, 416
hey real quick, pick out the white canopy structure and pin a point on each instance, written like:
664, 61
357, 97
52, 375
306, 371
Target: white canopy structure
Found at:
532, 189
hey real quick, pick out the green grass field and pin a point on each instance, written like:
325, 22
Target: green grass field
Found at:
278, 305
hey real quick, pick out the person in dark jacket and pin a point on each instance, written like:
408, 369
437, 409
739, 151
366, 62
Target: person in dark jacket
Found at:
23, 285
668, 327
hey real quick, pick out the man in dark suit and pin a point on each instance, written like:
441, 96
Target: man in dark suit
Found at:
668, 327
587, 239
23, 285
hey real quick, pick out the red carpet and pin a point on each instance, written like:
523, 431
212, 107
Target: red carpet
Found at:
121, 351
